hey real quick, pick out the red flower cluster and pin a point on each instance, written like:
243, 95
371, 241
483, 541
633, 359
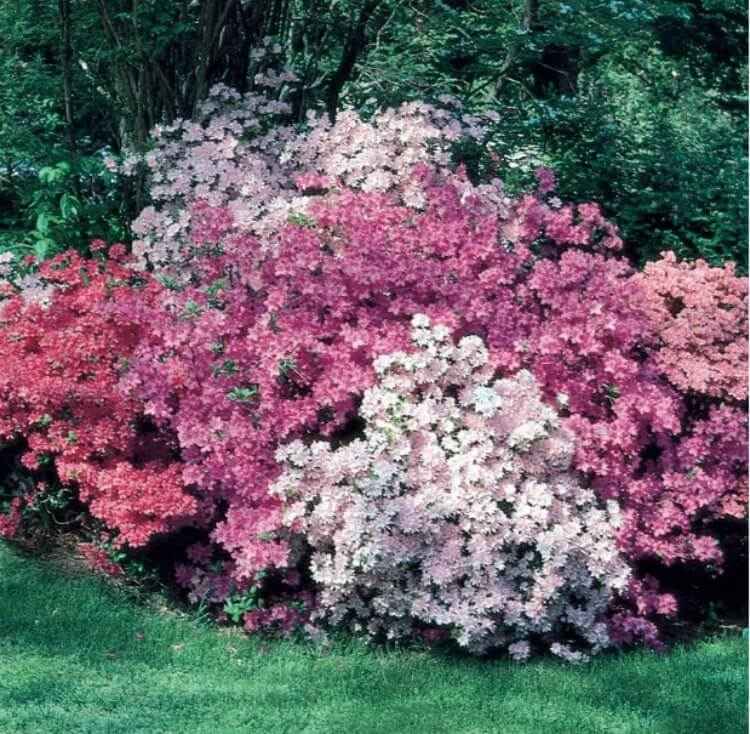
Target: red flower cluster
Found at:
58, 394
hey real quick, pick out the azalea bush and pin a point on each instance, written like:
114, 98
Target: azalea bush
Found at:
273, 270
456, 513
65, 339
241, 154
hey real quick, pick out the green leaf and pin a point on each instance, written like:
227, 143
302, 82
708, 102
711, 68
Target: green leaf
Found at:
43, 247
243, 394
191, 310
68, 206
42, 223
47, 174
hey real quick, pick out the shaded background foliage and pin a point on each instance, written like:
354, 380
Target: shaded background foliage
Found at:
639, 105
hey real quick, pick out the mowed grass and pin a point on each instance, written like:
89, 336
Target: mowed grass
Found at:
77, 655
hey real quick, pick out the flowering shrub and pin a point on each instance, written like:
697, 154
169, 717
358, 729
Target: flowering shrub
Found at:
271, 344
288, 261
456, 511
640, 440
59, 396
263, 348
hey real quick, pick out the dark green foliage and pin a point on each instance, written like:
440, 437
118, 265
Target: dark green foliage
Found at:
75, 204
672, 175
637, 104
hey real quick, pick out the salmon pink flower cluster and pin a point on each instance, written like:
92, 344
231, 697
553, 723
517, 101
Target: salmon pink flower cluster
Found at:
700, 316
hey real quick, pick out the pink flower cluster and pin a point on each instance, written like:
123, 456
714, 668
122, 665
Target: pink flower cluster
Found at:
699, 314
456, 511
59, 396
97, 559
10, 522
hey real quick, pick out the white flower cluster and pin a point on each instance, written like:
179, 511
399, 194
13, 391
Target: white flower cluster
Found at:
457, 512
240, 154
31, 287
34, 289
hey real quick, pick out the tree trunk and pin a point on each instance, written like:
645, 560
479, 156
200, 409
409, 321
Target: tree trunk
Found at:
66, 53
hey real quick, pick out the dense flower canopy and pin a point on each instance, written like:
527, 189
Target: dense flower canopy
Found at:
700, 316
59, 395
275, 271
240, 155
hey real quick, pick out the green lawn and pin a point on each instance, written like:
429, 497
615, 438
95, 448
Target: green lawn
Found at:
79, 656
